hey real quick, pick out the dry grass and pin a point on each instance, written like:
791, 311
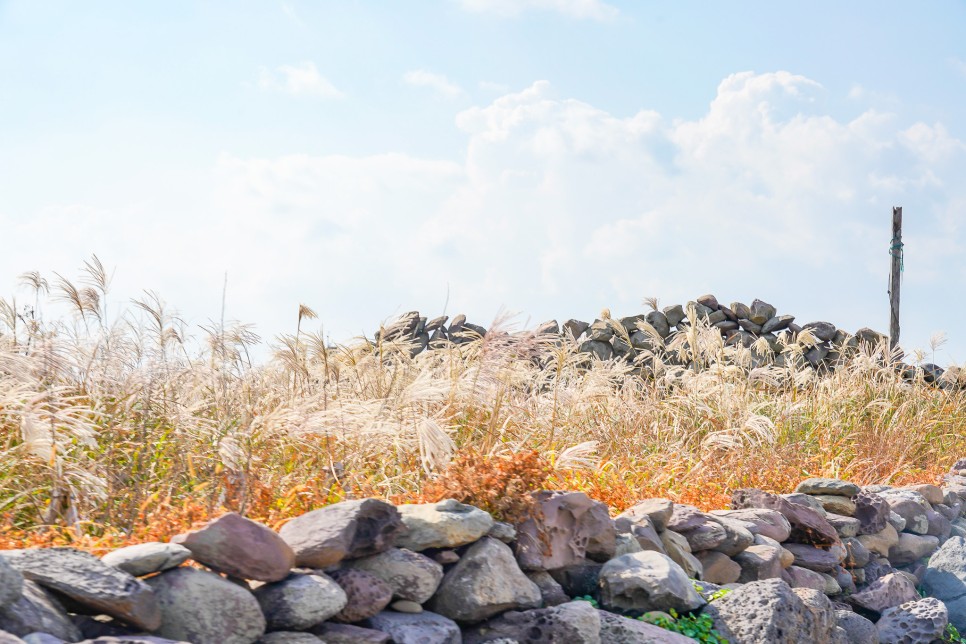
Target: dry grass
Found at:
131, 429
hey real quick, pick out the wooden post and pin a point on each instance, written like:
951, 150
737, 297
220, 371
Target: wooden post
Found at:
895, 251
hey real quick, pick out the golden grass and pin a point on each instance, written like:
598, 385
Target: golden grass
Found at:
133, 430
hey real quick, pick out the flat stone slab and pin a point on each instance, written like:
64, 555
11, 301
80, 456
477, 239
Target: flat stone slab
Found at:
147, 558
90, 582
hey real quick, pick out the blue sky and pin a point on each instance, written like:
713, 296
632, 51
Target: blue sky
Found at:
547, 157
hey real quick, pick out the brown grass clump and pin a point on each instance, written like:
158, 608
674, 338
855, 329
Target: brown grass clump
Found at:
129, 428
498, 483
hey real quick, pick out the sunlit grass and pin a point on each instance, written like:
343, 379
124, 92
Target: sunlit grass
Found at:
131, 428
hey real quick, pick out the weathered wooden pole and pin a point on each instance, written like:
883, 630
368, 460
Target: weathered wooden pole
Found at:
895, 250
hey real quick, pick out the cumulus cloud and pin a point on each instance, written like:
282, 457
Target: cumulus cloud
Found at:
437, 82
298, 80
581, 9
558, 208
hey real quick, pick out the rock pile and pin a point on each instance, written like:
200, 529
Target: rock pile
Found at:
662, 334
828, 563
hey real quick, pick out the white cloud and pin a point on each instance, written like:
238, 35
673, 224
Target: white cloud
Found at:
298, 80
559, 208
437, 82
490, 86
589, 9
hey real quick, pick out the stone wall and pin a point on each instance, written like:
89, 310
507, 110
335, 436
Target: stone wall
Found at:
830, 562
772, 338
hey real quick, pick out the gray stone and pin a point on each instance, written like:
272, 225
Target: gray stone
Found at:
660, 322
559, 533
411, 575
797, 577
769, 523
576, 622
447, 524
945, 576
615, 629
349, 529
575, 328
912, 547
806, 500
640, 526
857, 555
37, 610
200, 606
366, 594
579, 579
658, 510
767, 612
718, 568
760, 312
835, 504
703, 531
777, 323
808, 525
882, 542
239, 547
933, 494
421, 628
288, 637
334, 633
818, 604
300, 601
758, 563
35, 638
823, 331
897, 521
485, 582
90, 582
845, 526
601, 331
836, 487
406, 606
813, 558
911, 510
885, 592
939, 525
646, 581
859, 629
677, 548
914, 622
675, 314
147, 558
551, 592
11, 584
626, 543
502, 531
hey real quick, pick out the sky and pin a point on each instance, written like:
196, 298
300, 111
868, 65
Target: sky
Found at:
544, 158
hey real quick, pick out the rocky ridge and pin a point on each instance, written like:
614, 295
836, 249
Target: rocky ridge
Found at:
830, 562
661, 337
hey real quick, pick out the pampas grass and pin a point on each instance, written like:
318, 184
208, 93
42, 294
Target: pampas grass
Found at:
104, 420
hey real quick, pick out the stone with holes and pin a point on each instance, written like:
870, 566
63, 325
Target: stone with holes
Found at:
562, 529
577, 622
923, 620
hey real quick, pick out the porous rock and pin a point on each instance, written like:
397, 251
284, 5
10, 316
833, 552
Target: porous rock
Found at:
646, 581
485, 582
615, 629
766, 612
446, 524
558, 533
575, 621
885, 592
872, 511
366, 594
349, 529
915, 622
200, 606
90, 582
239, 547
411, 575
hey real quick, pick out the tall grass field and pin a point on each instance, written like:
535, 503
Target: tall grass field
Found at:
119, 423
